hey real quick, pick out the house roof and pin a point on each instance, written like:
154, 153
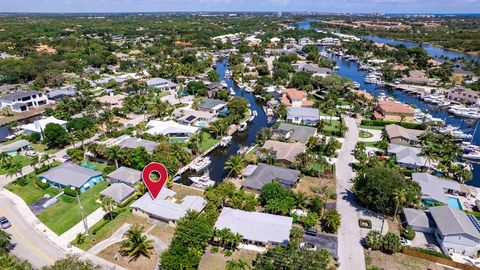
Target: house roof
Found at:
168, 210
13, 146
408, 155
294, 93
70, 174
126, 175
169, 127
395, 131
118, 192
160, 81
306, 113
418, 218
19, 94
388, 106
209, 103
128, 142
39, 125
451, 221
265, 173
300, 133
256, 226
283, 150
61, 92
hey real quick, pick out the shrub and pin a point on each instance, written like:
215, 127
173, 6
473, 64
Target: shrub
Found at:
99, 225
228, 253
107, 170
381, 123
373, 240
127, 202
33, 138
408, 233
71, 192
365, 223
214, 249
23, 181
41, 184
80, 239
391, 243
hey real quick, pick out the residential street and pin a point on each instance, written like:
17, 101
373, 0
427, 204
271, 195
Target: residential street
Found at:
29, 243
350, 251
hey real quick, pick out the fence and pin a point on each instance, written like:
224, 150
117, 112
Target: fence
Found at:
421, 255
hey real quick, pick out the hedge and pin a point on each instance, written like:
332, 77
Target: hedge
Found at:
381, 123
431, 252
127, 202
70, 192
41, 184
408, 233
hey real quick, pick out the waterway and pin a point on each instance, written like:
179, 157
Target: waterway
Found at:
350, 70
240, 139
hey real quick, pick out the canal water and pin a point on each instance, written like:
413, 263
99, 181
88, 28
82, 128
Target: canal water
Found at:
240, 139
350, 70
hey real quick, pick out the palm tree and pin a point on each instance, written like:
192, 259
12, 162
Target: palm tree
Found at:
34, 161
5, 159
15, 168
44, 158
108, 205
140, 189
234, 165
400, 199
113, 153
136, 244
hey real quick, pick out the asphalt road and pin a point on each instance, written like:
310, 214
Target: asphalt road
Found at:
27, 242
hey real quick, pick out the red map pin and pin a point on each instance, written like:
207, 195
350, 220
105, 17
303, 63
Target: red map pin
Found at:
154, 186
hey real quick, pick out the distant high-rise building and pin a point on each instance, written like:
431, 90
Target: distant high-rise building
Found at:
279, 14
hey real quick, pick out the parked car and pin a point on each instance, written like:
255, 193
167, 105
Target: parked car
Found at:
30, 153
405, 242
308, 246
311, 231
5, 223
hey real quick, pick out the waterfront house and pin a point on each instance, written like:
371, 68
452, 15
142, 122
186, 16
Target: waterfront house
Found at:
464, 95
404, 136
171, 129
283, 151
328, 41
408, 157
394, 111
436, 190
312, 68
295, 98
192, 117
416, 77
38, 126
262, 174
305, 116
162, 84
212, 105
125, 176
22, 101
128, 142
256, 228
71, 175
15, 148
165, 208
293, 133
466, 75
119, 192
418, 220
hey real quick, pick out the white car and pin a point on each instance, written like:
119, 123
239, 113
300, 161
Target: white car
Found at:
30, 153
405, 242
308, 246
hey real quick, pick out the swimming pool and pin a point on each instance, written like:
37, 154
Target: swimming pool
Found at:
454, 202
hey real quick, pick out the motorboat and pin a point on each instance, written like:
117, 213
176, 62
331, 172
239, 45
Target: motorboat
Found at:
228, 73
232, 92
203, 181
241, 86
248, 89
225, 141
242, 150
356, 85
201, 164
242, 127
336, 68
473, 155
224, 84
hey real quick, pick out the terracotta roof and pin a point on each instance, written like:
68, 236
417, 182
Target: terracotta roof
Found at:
285, 101
293, 93
388, 106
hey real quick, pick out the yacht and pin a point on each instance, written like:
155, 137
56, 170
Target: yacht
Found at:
336, 68
228, 73
356, 85
242, 127
224, 84
248, 89
474, 156
242, 150
241, 86
203, 181
225, 141
232, 92
201, 164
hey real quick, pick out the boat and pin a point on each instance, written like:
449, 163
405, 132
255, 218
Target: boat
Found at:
201, 164
203, 181
336, 68
473, 155
254, 113
232, 92
224, 84
248, 89
250, 118
228, 73
242, 127
241, 86
356, 85
225, 141
242, 150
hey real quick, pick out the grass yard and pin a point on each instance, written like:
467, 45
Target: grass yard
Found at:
397, 261
183, 191
333, 126
22, 159
218, 261
208, 141
323, 186
31, 192
112, 254
365, 134
66, 213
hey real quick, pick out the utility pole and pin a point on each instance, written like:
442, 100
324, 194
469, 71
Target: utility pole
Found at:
85, 225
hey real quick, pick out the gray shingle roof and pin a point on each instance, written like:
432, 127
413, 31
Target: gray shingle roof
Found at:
126, 175
418, 218
299, 133
256, 226
305, 113
126, 141
452, 221
119, 192
70, 174
13, 146
19, 94
408, 155
395, 131
208, 103
434, 187
265, 174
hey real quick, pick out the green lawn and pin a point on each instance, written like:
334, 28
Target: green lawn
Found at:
208, 141
365, 134
31, 192
23, 159
66, 213
371, 127
333, 126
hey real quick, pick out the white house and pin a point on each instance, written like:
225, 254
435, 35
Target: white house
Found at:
171, 129
22, 101
162, 84
301, 115
38, 126
328, 41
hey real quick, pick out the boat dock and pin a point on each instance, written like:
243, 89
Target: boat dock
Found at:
416, 89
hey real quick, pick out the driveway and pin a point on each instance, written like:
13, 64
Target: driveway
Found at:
350, 251
328, 242
29, 244
377, 135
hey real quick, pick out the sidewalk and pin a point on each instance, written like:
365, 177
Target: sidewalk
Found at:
54, 239
116, 237
92, 219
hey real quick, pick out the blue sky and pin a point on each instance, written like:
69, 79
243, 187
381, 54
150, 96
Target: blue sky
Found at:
388, 6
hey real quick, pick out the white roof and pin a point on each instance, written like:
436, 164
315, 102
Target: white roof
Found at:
256, 226
39, 125
157, 127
